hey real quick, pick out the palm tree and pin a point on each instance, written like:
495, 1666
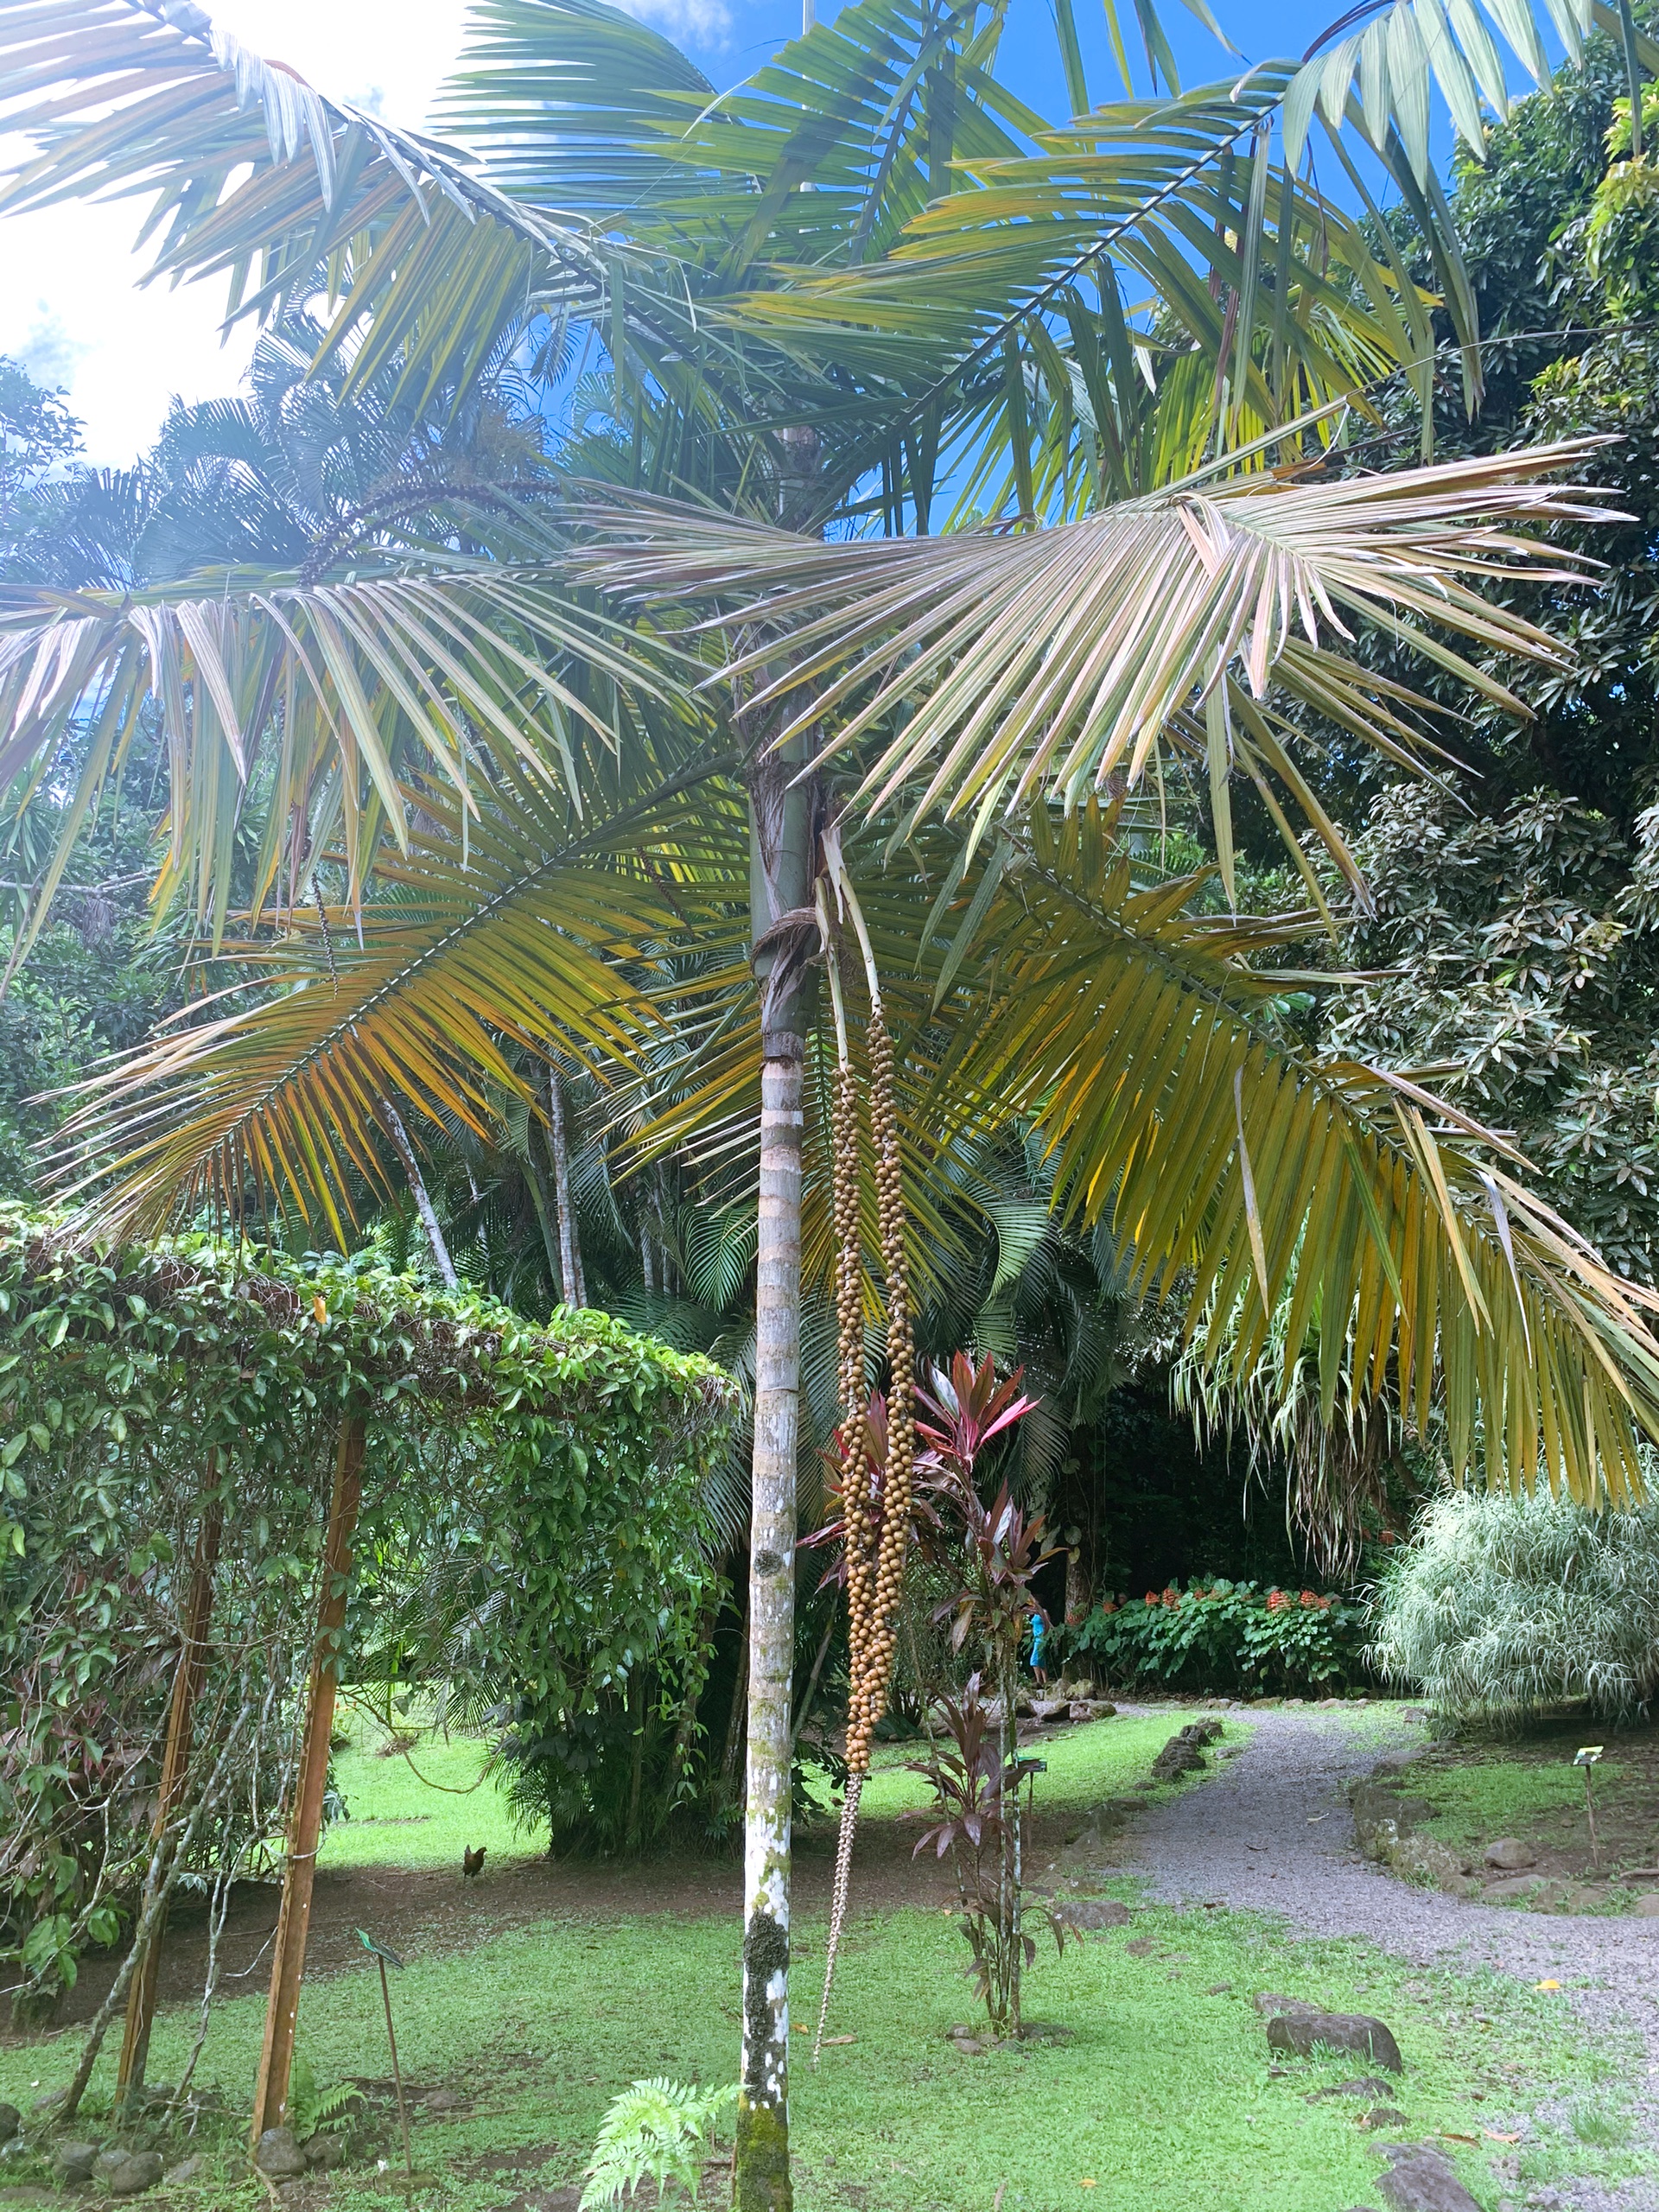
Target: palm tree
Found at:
542, 811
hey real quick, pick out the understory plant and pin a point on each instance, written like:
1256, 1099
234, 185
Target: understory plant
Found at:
997, 1550
1502, 1606
976, 1787
660, 2130
1226, 1635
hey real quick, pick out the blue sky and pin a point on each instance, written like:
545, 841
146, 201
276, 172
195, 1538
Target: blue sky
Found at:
69, 303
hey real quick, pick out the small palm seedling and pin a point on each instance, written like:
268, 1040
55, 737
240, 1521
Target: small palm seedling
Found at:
659, 2129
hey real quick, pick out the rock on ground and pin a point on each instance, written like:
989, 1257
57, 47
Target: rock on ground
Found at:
1423, 2179
1302, 2033
73, 2163
1509, 1855
278, 2154
1083, 1913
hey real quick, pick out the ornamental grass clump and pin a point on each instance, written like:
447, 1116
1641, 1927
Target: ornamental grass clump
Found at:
1502, 1606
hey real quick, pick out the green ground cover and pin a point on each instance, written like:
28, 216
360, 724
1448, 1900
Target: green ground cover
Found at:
1161, 2096
1506, 1796
398, 1818
421, 1810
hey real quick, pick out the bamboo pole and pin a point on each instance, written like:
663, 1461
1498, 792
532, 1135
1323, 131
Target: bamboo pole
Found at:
305, 1822
175, 1769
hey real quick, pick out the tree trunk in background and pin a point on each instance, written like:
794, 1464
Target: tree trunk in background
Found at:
176, 1768
740, 1707
305, 1822
575, 1289
780, 879
544, 1213
405, 1151
1079, 1593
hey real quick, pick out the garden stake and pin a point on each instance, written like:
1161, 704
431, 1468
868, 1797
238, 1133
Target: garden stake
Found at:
380, 1953
1587, 1759
876, 1538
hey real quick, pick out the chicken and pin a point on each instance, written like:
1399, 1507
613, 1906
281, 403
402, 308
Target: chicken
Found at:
472, 1862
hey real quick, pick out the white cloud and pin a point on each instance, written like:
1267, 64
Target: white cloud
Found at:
71, 308
687, 22
70, 303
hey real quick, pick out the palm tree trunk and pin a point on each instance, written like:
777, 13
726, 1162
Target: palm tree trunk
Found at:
780, 866
405, 1151
575, 1289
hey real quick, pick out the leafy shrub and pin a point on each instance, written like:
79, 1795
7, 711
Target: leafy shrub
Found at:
1223, 1635
659, 2128
1501, 1604
531, 1528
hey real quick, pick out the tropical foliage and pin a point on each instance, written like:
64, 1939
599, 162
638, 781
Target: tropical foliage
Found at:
1225, 1636
150, 1391
1505, 1606
675, 768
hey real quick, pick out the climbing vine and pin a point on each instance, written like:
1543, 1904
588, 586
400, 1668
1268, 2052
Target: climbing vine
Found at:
554, 1478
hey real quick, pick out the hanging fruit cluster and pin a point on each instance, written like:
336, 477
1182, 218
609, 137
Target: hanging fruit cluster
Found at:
876, 1522
878, 1526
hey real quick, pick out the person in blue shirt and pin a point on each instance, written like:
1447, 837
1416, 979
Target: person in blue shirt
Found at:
1038, 1631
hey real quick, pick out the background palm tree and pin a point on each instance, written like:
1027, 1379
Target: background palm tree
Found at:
496, 814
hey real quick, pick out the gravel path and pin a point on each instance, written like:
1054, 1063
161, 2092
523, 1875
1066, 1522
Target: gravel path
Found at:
1269, 1831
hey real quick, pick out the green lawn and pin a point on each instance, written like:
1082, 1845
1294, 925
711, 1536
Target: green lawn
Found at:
1499, 1796
419, 1810
1161, 2097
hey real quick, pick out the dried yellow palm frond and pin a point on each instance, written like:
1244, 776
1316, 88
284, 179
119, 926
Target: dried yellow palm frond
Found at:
334, 691
1048, 662
1267, 1190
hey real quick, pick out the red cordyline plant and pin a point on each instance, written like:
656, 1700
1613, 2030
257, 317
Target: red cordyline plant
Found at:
977, 1788
996, 1549
1001, 1548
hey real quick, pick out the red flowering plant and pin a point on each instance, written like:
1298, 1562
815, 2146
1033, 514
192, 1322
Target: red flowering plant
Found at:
1227, 1636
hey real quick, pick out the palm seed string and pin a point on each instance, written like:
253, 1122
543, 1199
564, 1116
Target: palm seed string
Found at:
876, 1539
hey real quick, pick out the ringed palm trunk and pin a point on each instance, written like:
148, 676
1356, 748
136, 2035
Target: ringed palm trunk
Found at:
779, 873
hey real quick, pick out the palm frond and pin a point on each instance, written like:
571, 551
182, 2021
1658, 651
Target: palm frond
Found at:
532, 937
1266, 1190
253, 175
1050, 662
324, 695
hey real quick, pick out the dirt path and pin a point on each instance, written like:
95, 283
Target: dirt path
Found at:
1270, 1831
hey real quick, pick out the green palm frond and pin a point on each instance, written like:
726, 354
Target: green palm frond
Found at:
326, 695
1376, 66
1264, 1190
537, 935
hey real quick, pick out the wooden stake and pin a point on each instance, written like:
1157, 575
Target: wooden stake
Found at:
176, 1768
396, 2076
305, 1822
